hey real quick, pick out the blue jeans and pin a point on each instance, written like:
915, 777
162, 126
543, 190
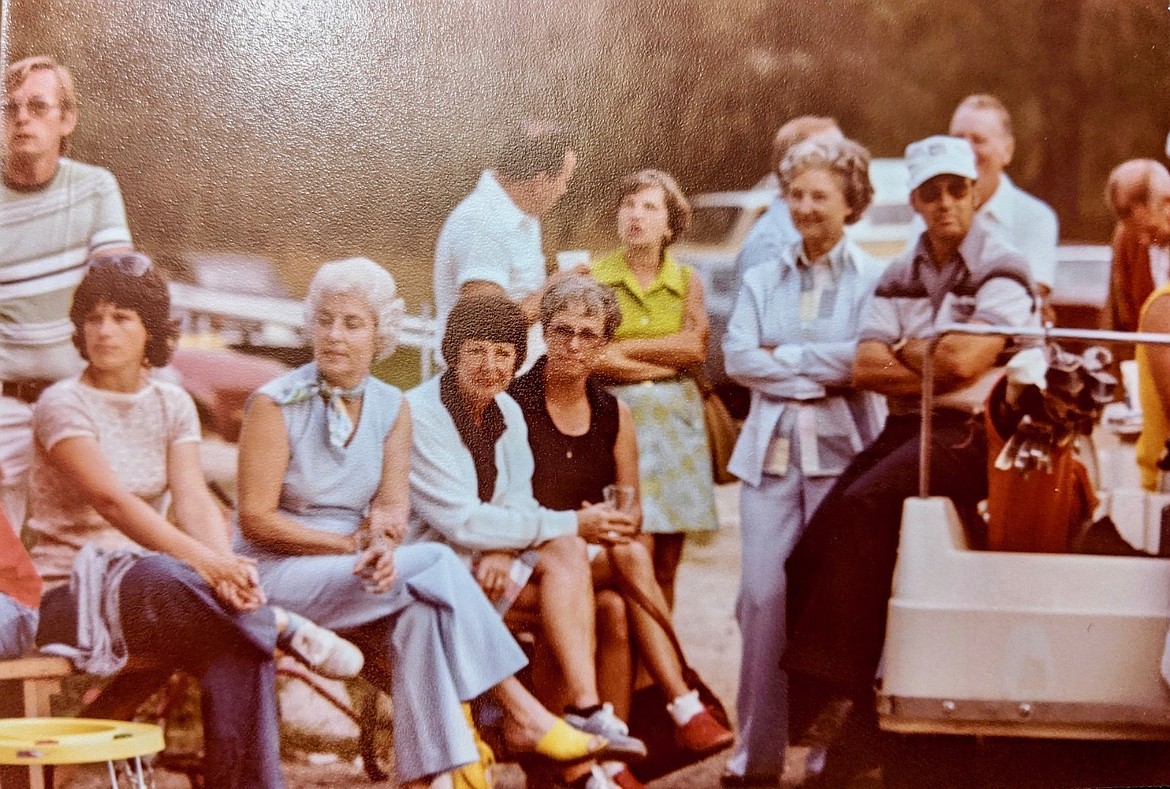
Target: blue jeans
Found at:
170, 616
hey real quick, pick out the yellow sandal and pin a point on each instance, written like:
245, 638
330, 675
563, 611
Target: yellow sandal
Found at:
562, 743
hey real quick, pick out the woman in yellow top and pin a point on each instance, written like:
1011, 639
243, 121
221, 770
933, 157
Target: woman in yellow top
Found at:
1153, 363
663, 331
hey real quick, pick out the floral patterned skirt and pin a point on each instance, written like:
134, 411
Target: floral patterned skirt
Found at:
674, 463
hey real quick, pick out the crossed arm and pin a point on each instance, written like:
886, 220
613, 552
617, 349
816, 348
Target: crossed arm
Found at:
662, 357
958, 361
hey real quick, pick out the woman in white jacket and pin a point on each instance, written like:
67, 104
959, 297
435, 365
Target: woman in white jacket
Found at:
791, 340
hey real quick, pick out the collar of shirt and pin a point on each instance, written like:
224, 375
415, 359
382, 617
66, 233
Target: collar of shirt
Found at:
614, 272
837, 257
999, 206
970, 248
939, 279
481, 439
501, 204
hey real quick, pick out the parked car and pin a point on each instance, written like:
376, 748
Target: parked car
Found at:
236, 274
721, 222
220, 381
1081, 290
232, 272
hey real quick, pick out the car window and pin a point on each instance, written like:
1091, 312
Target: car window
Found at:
712, 224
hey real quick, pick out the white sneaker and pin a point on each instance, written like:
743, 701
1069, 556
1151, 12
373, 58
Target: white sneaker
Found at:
325, 652
599, 780
605, 724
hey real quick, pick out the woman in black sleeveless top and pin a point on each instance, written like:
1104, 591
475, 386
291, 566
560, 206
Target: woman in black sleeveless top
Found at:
582, 440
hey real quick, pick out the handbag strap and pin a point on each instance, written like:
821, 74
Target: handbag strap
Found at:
630, 590
697, 374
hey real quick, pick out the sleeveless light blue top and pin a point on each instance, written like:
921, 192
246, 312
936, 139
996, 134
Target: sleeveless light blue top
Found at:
326, 487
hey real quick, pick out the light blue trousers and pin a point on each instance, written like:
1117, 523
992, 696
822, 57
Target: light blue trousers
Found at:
432, 642
772, 518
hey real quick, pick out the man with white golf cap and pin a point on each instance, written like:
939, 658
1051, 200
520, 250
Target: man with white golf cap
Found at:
839, 575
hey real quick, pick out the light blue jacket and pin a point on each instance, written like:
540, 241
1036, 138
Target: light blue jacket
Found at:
811, 365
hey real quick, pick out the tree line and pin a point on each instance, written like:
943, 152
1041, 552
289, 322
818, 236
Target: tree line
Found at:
307, 130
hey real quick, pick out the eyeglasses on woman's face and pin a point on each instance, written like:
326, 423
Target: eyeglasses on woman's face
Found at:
565, 334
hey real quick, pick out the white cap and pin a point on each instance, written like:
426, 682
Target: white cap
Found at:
939, 155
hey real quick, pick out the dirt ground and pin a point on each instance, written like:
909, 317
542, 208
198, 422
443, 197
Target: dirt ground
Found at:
705, 621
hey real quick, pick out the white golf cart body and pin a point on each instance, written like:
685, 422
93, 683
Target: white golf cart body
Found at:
1020, 644
1064, 646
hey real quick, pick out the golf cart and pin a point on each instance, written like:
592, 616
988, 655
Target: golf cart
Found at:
1025, 669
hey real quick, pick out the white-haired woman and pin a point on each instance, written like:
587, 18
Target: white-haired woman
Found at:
324, 463
791, 340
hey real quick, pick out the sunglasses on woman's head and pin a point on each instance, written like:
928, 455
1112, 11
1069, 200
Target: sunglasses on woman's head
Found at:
954, 185
133, 264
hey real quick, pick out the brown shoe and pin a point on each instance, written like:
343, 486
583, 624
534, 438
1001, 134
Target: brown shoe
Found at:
703, 734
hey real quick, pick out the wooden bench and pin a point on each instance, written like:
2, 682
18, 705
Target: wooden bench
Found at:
26, 686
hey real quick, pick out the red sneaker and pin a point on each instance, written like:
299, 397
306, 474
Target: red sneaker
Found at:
703, 734
626, 779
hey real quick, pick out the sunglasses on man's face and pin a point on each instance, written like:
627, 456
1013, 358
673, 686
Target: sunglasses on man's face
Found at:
132, 264
955, 186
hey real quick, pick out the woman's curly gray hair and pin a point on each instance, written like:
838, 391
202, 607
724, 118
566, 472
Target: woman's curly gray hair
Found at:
367, 280
595, 299
845, 158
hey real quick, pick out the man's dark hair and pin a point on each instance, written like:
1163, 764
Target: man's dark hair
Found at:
532, 148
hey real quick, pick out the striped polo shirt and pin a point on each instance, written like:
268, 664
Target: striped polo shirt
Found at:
987, 281
46, 235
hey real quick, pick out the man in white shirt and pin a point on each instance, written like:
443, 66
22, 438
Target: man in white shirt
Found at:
54, 213
1026, 222
491, 242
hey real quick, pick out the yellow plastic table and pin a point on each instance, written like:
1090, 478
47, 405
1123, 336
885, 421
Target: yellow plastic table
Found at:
38, 741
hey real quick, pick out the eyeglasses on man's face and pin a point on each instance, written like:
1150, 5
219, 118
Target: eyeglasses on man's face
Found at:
37, 108
954, 185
